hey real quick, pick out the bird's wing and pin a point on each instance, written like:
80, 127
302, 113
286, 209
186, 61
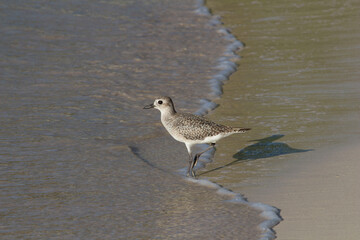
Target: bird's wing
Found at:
196, 127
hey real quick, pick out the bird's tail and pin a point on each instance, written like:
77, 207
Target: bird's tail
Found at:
241, 130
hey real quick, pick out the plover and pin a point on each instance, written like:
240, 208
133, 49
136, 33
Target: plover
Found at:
191, 129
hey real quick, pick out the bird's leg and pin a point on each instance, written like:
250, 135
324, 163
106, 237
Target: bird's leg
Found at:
196, 158
190, 172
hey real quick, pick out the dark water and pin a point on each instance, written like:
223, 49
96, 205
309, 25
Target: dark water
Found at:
65, 56
80, 158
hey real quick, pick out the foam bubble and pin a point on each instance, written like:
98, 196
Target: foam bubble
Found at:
201, 9
206, 107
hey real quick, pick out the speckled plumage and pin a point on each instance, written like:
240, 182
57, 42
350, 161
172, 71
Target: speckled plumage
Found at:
191, 129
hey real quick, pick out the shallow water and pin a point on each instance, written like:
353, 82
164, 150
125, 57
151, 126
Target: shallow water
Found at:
80, 158
298, 87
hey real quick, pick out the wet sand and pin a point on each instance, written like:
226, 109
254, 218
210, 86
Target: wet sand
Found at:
298, 87
318, 194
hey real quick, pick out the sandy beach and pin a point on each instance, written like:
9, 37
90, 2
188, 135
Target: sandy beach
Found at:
318, 194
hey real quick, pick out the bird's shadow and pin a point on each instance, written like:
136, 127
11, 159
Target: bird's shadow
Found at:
263, 148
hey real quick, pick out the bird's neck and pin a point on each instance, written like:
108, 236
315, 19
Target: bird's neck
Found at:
168, 113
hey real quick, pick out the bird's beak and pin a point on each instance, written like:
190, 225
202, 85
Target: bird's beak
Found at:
149, 106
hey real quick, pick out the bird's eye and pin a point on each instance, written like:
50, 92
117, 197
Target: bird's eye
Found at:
160, 102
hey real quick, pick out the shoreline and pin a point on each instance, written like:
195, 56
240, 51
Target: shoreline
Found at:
227, 66
227, 63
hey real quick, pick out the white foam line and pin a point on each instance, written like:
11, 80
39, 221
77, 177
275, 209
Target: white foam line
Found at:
271, 214
227, 65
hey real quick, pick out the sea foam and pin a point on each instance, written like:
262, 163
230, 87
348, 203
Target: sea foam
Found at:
271, 214
226, 66
226, 63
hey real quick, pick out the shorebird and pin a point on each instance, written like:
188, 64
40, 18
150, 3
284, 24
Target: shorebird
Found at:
191, 129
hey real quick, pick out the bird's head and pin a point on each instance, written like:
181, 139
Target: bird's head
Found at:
164, 104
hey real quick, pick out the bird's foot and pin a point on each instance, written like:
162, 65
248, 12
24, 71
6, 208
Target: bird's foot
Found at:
191, 174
